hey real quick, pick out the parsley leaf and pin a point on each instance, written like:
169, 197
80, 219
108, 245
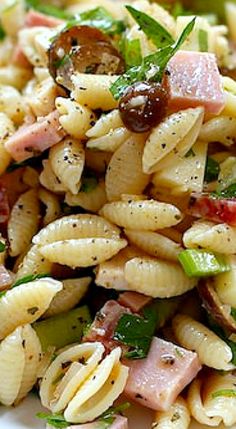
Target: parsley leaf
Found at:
153, 30
29, 278
137, 332
2, 247
152, 66
229, 192
48, 9
233, 313
203, 40
99, 18
2, 33
89, 183
131, 52
212, 170
107, 418
55, 420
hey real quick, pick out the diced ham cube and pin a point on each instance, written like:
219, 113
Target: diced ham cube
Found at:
104, 324
120, 422
134, 301
6, 278
37, 19
193, 79
157, 380
31, 140
212, 208
4, 205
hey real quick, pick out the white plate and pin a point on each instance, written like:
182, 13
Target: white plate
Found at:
23, 417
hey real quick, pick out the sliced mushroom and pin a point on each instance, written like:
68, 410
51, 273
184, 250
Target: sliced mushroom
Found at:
84, 49
221, 313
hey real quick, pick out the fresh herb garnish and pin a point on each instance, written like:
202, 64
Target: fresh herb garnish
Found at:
62, 61
3, 293
2, 33
202, 263
29, 278
203, 40
229, 393
107, 418
229, 192
89, 183
2, 247
233, 313
55, 420
153, 30
152, 66
31, 162
212, 170
99, 18
131, 52
137, 332
48, 9
179, 10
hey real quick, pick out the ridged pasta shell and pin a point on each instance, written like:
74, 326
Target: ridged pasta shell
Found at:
84, 252
88, 355
99, 391
111, 141
71, 294
91, 201
178, 128
124, 173
26, 303
32, 349
6, 129
196, 406
33, 263
74, 227
12, 362
212, 351
157, 278
23, 222
147, 215
225, 284
177, 417
105, 124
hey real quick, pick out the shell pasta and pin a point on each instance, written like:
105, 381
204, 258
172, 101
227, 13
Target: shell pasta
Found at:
118, 213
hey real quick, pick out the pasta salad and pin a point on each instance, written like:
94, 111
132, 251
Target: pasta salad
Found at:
118, 210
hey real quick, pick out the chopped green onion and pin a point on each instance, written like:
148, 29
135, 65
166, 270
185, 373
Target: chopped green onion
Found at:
63, 329
200, 263
29, 278
55, 420
203, 40
229, 393
212, 170
152, 66
2, 247
137, 332
153, 30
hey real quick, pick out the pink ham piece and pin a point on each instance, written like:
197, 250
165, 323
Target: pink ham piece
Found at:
104, 324
6, 278
213, 208
37, 19
157, 380
120, 422
134, 301
31, 140
193, 79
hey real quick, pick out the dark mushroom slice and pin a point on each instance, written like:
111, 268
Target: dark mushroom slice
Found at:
83, 49
221, 313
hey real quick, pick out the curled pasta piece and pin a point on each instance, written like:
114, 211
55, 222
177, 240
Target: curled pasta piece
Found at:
193, 335
12, 16
71, 294
177, 417
111, 141
221, 129
94, 91
67, 161
97, 160
177, 133
154, 244
99, 391
225, 284
52, 205
6, 129
156, 278
6, 51
92, 200
20, 354
146, 214
42, 100
213, 397
218, 238
14, 76
11, 103
84, 252
124, 172
76, 226
67, 373
74, 118
105, 124
26, 303
33, 263
23, 222
49, 180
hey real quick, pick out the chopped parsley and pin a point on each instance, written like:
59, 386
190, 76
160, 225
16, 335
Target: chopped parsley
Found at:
229, 393
131, 52
137, 332
2, 247
55, 420
48, 9
2, 33
89, 183
107, 418
29, 278
212, 170
229, 192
